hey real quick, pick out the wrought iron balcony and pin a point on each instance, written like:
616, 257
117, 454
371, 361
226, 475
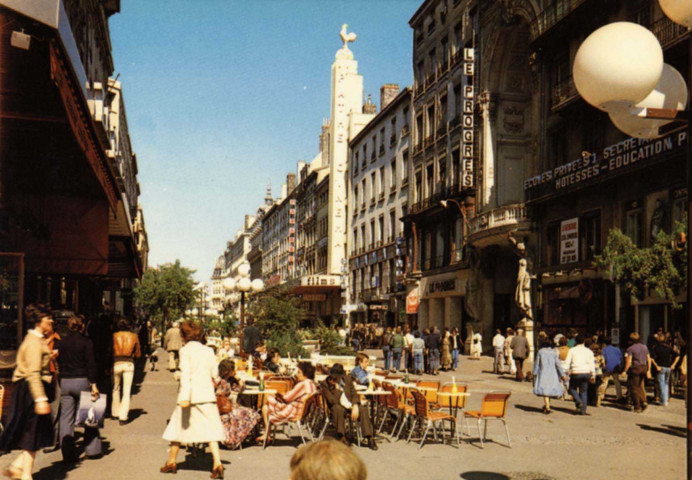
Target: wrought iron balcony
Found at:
667, 31
563, 93
552, 15
491, 228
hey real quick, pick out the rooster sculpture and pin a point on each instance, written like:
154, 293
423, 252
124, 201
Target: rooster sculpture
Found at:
347, 37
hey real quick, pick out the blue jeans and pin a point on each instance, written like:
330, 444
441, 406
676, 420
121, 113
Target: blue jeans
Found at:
387, 353
663, 377
70, 390
418, 361
434, 360
397, 358
578, 388
455, 358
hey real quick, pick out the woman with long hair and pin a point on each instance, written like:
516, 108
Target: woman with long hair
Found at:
196, 416
29, 427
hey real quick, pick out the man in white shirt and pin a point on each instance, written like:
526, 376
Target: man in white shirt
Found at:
408, 348
499, 346
581, 366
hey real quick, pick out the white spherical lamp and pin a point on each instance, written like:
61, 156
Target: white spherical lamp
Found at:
245, 284
618, 63
669, 93
679, 11
244, 270
229, 284
257, 285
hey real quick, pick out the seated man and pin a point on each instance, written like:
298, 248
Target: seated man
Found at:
341, 396
360, 372
273, 361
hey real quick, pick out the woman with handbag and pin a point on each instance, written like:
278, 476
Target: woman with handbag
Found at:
29, 427
196, 416
77, 374
237, 421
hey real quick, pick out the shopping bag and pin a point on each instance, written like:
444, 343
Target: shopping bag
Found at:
90, 413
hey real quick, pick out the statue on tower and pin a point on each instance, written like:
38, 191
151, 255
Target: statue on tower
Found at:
346, 37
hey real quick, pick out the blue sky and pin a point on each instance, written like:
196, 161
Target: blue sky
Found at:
223, 96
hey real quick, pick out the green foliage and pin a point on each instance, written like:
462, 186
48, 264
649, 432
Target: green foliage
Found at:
289, 342
165, 292
277, 313
659, 268
330, 341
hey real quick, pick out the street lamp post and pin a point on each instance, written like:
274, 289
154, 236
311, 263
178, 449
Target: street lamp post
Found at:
242, 284
619, 68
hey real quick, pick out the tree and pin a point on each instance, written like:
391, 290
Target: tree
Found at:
660, 268
165, 292
277, 314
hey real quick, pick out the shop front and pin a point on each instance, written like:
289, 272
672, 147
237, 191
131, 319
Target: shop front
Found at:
320, 297
442, 300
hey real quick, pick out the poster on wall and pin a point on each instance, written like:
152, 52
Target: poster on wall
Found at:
569, 241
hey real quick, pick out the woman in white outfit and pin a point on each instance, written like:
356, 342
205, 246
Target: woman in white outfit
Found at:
196, 417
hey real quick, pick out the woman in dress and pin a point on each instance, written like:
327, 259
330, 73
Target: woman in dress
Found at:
239, 422
29, 427
282, 409
196, 416
446, 359
77, 374
547, 372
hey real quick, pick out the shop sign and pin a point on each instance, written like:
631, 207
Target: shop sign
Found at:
379, 307
615, 336
314, 297
412, 302
320, 281
467, 120
569, 241
442, 286
615, 158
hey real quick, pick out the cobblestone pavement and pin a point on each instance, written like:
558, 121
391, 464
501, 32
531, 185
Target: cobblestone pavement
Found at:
611, 443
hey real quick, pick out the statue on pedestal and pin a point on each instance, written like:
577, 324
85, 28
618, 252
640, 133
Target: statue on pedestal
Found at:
522, 298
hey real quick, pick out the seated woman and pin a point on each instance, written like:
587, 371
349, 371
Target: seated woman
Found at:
282, 409
273, 361
226, 351
239, 422
360, 373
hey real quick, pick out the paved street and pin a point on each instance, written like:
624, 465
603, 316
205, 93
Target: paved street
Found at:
611, 443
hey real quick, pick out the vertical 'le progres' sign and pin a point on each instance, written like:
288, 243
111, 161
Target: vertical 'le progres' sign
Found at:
467, 120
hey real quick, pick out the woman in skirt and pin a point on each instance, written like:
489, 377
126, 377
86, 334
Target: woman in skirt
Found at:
196, 416
30, 427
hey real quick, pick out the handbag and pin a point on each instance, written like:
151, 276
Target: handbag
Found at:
90, 412
223, 403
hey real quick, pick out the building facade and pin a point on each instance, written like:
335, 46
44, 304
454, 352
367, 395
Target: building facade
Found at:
592, 178
378, 199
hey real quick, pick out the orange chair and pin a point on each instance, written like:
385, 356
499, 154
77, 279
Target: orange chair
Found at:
281, 386
494, 405
302, 420
452, 403
430, 395
432, 418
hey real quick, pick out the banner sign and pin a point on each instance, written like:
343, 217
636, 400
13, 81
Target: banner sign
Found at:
467, 120
569, 241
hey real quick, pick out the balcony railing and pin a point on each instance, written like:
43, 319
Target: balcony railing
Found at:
563, 93
506, 216
667, 31
552, 15
405, 130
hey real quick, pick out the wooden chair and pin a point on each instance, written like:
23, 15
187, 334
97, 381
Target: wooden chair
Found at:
494, 405
430, 395
281, 386
302, 420
395, 406
432, 418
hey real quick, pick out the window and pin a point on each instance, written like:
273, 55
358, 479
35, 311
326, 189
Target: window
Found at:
456, 168
392, 175
356, 160
430, 120
443, 111
418, 189
392, 224
372, 234
374, 148
634, 220
362, 237
381, 140
429, 180
553, 243
419, 129
432, 62
679, 210
458, 37
373, 187
380, 231
380, 183
589, 236
442, 170
356, 195
362, 195
594, 134
392, 137
557, 147
445, 50
420, 72
404, 169
642, 16
431, 25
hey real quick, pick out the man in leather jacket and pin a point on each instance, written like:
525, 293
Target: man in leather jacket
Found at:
126, 349
336, 384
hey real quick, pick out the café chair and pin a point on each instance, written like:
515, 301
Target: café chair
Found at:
431, 418
494, 405
303, 420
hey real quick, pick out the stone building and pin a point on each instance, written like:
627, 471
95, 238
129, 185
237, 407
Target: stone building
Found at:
591, 178
378, 199
69, 230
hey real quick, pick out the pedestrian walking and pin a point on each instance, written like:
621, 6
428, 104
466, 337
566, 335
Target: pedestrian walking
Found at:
509, 359
434, 344
499, 350
77, 374
29, 427
126, 350
446, 354
637, 368
397, 344
582, 370
196, 416
172, 343
386, 349
520, 350
562, 352
408, 344
476, 346
418, 352
547, 373
456, 345
664, 359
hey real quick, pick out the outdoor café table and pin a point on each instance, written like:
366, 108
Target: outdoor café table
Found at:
454, 399
261, 395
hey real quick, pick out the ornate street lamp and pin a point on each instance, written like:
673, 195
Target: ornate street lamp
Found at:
243, 285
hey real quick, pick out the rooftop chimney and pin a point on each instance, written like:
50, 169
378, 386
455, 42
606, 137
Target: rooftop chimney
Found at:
290, 182
388, 92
